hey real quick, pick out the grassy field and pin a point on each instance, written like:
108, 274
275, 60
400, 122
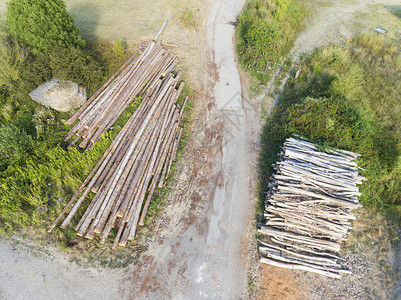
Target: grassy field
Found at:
266, 33
123, 19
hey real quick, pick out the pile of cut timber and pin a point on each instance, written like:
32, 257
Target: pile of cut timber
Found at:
139, 73
135, 164
308, 208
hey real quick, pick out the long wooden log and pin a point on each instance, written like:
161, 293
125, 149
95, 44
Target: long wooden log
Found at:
93, 97
322, 244
98, 168
149, 147
138, 62
298, 267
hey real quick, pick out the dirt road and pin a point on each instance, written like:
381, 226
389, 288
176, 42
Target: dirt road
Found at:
200, 252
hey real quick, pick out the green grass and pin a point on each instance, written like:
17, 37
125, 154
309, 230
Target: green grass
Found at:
395, 10
347, 97
188, 18
266, 32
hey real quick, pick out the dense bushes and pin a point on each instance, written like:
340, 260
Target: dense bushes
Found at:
15, 146
42, 24
63, 63
13, 56
266, 32
29, 191
348, 98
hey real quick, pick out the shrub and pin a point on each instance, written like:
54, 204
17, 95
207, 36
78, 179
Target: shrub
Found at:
15, 146
40, 183
266, 32
75, 65
13, 55
63, 63
42, 24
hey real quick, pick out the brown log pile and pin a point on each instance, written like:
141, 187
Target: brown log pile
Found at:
309, 208
138, 159
139, 74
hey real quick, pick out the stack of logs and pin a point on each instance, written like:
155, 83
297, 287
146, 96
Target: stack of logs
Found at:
135, 164
308, 208
100, 112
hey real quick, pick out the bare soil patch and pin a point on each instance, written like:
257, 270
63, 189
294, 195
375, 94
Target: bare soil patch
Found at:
277, 283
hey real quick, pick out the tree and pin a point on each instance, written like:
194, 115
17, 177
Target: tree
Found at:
42, 24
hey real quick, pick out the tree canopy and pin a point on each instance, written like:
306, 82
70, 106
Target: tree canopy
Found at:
42, 24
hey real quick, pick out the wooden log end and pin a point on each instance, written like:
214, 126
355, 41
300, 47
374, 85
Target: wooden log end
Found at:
90, 236
120, 214
98, 230
122, 243
70, 121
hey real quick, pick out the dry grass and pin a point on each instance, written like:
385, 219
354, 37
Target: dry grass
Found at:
132, 21
119, 20
376, 240
370, 253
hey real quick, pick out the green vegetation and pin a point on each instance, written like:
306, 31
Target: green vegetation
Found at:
347, 97
188, 18
42, 24
63, 63
395, 10
13, 56
266, 32
15, 146
37, 173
